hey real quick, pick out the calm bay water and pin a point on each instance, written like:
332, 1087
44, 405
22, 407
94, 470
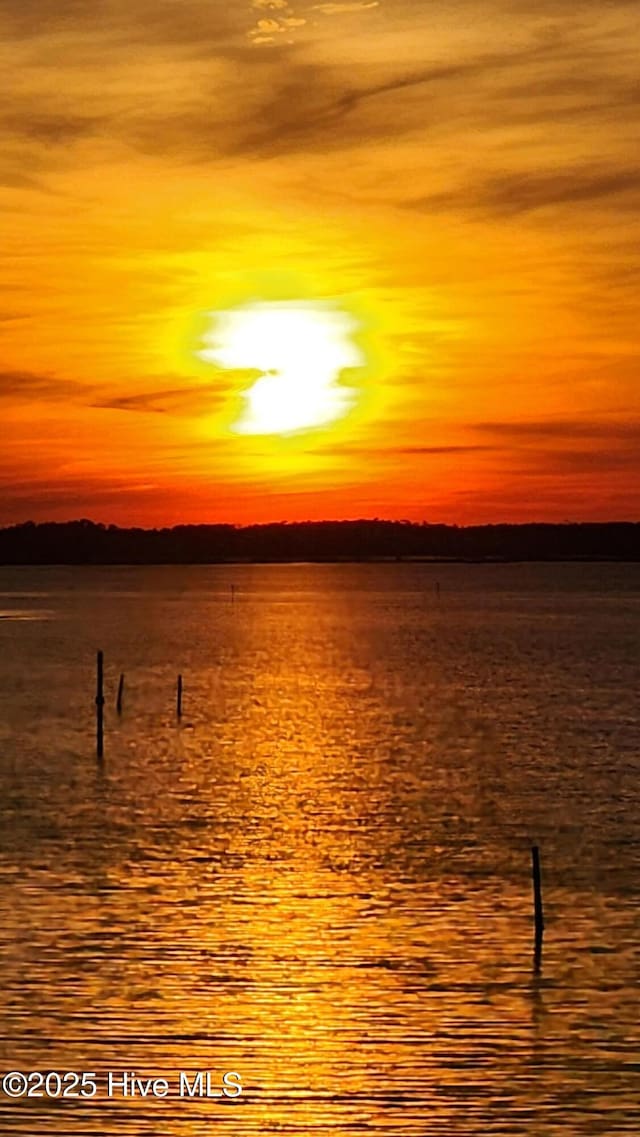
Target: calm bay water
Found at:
319, 878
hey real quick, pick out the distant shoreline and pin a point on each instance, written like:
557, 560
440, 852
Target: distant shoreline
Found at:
320, 542
488, 561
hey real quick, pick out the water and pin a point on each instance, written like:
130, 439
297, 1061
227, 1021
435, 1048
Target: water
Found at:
320, 878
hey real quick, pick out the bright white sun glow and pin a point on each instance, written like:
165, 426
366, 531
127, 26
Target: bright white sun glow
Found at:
300, 348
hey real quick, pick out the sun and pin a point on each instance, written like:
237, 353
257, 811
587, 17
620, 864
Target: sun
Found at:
300, 348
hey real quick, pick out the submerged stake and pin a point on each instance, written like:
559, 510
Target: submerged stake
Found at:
120, 693
100, 706
537, 907
179, 697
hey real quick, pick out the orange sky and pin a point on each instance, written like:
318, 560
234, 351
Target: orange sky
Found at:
459, 178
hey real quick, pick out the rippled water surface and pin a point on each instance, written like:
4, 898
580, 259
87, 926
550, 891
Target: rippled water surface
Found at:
320, 876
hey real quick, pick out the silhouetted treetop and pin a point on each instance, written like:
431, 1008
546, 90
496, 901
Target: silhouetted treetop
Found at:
89, 542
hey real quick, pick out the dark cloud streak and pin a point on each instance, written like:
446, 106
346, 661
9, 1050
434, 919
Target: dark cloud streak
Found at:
185, 400
26, 386
175, 401
509, 195
605, 430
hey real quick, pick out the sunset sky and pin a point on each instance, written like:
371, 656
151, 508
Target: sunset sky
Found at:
453, 187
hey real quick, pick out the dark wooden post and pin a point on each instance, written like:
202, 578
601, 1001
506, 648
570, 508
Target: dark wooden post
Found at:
120, 694
100, 707
179, 697
538, 914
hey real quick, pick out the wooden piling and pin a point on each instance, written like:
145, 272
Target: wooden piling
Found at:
179, 697
538, 914
100, 707
120, 694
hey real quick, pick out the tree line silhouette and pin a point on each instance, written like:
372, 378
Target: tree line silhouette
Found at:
89, 542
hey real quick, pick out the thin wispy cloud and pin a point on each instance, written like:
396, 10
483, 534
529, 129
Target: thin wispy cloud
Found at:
23, 386
187, 401
604, 430
512, 194
339, 9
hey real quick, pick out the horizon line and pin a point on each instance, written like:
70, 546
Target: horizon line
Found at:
4, 527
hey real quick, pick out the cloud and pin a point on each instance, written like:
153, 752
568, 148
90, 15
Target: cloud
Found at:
383, 451
44, 498
186, 400
182, 400
565, 446
229, 100
116, 22
25, 386
284, 101
52, 128
13, 178
309, 104
509, 195
587, 461
603, 430
337, 8
434, 450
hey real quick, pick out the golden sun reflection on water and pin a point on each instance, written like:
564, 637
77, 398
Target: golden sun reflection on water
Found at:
320, 879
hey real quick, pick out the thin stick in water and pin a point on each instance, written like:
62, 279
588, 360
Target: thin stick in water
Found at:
120, 694
100, 707
538, 914
179, 697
